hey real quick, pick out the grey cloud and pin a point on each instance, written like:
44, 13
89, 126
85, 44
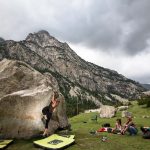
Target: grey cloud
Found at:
94, 23
94, 26
90, 22
137, 41
135, 14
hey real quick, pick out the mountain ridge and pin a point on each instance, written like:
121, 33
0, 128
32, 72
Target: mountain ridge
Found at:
94, 83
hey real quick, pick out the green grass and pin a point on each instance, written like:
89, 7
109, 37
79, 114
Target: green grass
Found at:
84, 140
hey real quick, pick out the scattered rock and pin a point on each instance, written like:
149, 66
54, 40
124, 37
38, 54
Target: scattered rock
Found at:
122, 108
145, 116
126, 114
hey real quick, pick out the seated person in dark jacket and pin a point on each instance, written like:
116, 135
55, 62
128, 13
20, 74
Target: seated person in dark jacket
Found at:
48, 110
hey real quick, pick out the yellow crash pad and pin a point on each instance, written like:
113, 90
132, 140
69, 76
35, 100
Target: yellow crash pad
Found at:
4, 143
55, 141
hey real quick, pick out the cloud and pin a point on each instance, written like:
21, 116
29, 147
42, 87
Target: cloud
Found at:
107, 25
136, 22
110, 27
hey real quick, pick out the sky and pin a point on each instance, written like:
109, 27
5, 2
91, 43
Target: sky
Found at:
114, 34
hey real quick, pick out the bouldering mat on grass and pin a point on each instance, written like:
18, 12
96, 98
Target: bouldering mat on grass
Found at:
5, 143
55, 141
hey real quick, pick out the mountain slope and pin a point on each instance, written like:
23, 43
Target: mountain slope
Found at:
77, 78
146, 86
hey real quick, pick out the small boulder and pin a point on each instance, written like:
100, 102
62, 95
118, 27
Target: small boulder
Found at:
126, 114
145, 116
122, 108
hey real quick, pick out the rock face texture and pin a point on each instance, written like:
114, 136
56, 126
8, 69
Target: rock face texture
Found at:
107, 111
23, 93
77, 79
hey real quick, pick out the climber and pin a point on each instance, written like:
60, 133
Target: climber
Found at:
48, 110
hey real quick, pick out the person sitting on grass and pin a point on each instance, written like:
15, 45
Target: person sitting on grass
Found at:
130, 127
48, 110
118, 127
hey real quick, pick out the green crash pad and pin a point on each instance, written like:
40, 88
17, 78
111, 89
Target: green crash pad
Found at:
4, 143
55, 141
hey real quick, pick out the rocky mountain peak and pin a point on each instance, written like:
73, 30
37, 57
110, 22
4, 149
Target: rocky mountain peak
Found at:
43, 39
44, 32
39, 34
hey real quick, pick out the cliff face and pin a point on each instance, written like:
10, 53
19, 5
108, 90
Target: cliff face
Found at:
76, 77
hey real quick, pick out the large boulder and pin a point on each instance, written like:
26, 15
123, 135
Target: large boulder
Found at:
107, 111
23, 93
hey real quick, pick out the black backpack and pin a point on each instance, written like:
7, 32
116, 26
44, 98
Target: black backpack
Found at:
146, 135
146, 132
106, 125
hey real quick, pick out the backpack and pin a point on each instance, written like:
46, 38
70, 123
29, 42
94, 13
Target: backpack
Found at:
106, 125
146, 135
